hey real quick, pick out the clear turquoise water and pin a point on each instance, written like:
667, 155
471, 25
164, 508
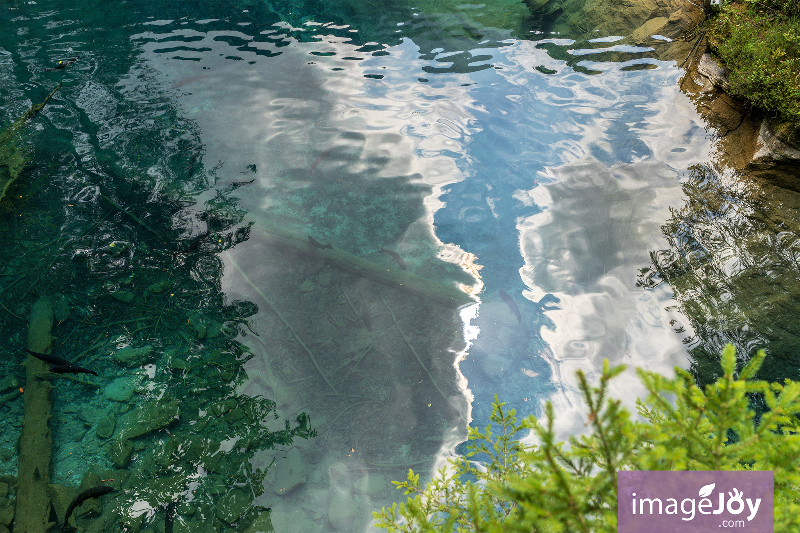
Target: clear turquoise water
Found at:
425, 130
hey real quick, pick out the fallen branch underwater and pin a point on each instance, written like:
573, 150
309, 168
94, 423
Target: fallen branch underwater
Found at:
441, 293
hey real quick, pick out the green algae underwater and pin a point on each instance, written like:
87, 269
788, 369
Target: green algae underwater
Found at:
36, 504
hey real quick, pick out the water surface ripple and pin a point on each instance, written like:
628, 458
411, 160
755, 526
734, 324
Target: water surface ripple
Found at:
223, 184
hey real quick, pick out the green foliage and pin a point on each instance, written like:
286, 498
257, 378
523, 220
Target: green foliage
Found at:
786, 7
553, 487
759, 43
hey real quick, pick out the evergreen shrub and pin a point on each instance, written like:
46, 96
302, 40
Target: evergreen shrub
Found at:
759, 44
559, 487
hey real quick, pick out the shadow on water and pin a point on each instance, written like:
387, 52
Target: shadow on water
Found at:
733, 265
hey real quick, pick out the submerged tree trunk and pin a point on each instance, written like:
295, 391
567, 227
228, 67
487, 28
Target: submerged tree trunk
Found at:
33, 505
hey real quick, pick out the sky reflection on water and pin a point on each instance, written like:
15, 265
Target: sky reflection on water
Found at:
552, 188
461, 155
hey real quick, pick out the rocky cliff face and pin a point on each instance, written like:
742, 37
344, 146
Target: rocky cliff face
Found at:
749, 141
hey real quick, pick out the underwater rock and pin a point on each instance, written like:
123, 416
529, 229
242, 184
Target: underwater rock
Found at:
157, 491
214, 330
6, 513
120, 453
121, 389
325, 277
61, 496
123, 296
105, 428
92, 506
9, 382
159, 287
178, 365
200, 330
262, 524
233, 505
131, 523
186, 509
203, 327
148, 417
315, 504
290, 473
307, 286
130, 356
342, 510
363, 340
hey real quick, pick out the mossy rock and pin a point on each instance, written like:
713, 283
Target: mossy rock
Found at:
105, 428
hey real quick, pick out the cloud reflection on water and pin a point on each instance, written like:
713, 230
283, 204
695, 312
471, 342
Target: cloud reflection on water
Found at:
556, 184
603, 201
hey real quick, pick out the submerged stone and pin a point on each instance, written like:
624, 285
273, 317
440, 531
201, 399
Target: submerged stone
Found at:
105, 428
123, 296
148, 417
159, 287
290, 472
130, 356
179, 365
372, 485
92, 506
262, 524
121, 389
233, 505
6, 513
61, 496
214, 330
495, 366
325, 277
343, 510
120, 453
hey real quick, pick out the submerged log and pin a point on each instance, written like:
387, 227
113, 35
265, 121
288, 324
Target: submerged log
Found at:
441, 293
33, 504
12, 158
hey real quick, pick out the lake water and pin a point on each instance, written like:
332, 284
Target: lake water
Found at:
552, 198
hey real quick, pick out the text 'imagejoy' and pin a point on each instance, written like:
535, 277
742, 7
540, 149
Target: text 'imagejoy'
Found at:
689, 502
